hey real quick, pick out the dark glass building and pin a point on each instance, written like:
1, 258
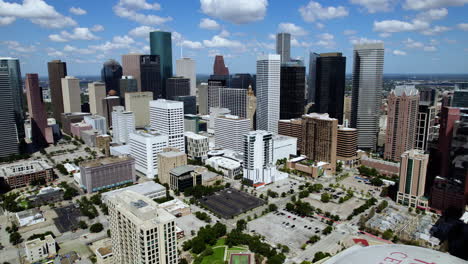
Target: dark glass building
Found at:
146, 70
127, 85
312, 77
190, 103
330, 85
242, 80
111, 74
292, 90
161, 44
57, 70
177, 86
8, 133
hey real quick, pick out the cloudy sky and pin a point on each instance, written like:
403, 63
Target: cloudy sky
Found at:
420, 36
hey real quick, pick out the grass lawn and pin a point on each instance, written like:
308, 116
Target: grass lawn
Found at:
216, 258
220, 242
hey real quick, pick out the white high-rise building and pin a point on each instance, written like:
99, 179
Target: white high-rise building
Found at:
186, 67
96, 92
258, 158
230, 131
268, 92
142, 232
145, 147
71, 93
196, 146
123, 123
367, 92
167, 117
97, 122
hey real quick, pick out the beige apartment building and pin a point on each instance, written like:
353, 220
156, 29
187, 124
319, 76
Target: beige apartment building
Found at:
413, 169
169, 159
138, 103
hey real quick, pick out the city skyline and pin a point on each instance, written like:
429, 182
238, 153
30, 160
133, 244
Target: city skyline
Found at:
420, 37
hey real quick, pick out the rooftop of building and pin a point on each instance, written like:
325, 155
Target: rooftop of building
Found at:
207, 175
104, 161
95, 117
293, 121
166, 103
29, 213
224, 162
148, 133
319, 116
343, 128
173, 205
80, 124
258, 132
143, 211
38, 242
141, 188
283, 138
104, 251
181, 170
171, 154
91, 132
366, 46
192, 135
76, 114
23, 167
408, 90
416, 154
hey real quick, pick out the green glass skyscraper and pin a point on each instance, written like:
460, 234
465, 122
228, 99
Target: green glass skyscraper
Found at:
161, 44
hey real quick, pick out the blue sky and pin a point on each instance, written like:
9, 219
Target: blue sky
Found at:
420, 36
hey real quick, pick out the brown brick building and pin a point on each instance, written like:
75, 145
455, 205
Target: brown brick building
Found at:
22, 173
347, 145
292, 128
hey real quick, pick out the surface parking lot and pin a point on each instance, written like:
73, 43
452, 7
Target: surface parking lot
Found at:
67, 218
281, 186
285, 228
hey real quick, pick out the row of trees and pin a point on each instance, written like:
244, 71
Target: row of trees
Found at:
372, 201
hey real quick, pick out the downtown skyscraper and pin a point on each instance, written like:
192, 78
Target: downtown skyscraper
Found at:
111, 74
57, 70
402, 120
268, 92
367, 92
283, 46
161, 44
9, 144
146, 69
312, 76
330, 85
292, 89
219, 68
185, 67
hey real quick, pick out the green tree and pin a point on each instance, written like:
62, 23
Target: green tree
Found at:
15, 238
241, 225
272, 207
327, 230
82, 225
320, 255
325, 197
96, 228
388, 234
314, 239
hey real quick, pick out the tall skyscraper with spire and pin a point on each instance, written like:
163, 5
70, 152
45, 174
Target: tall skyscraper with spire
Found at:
367, 92
219, 68
161, 44
57, 70
111, 74
268, 92
283, 46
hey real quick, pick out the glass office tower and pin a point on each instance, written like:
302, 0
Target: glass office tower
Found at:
161, 44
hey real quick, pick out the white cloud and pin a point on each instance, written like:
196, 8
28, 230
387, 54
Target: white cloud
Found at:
412, 44
118, 42
297, 43
16, 46
237, 12
349, 32
292, 29
385, 35
463, 26
192, 44
77, 11
141, 31
450, 41
430, 48
224, 33
209, 24
55, 53
272, 36
374, 6
220, 42
315, 11
97, 28
360, 40
6, 20
325, 40
38, 11
399, 53
427, 4
69, 48
433, 14
77, 34
319, 25
393, 26
57, 38
128, 9
435, 30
